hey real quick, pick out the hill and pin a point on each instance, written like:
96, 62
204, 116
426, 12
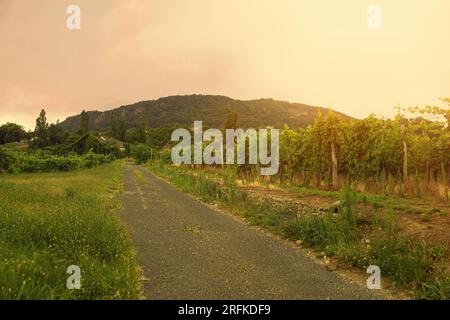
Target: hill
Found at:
183, 110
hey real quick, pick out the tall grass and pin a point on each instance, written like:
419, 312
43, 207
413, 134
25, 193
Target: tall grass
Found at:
51, 221
347, 235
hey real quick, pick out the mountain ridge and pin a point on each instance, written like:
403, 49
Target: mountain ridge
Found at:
183, 110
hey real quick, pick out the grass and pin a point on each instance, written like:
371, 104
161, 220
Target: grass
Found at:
49, 221
349, 236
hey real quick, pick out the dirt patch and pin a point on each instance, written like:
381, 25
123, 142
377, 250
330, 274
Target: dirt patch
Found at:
435, 229
425, 224
282, 197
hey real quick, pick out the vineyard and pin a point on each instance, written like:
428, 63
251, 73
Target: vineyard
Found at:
402, 157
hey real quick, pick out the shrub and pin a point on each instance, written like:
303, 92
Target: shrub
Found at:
141, 153
7, 160
42, 162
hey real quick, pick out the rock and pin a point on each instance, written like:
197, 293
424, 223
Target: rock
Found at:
299, 242
331, 267
335, 206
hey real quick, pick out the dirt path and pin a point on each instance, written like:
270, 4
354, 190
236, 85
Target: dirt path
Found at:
190, 251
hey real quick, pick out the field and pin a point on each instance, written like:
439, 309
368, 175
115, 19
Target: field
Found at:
50, 221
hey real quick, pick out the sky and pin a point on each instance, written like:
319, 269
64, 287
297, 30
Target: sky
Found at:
318, 52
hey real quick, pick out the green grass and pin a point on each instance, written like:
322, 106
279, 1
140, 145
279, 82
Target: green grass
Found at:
349, 235
49, 221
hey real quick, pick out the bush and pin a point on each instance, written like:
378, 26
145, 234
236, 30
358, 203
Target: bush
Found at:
7, 160
141, 153
42, 162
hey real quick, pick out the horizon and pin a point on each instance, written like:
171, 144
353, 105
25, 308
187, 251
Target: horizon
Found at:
317, 53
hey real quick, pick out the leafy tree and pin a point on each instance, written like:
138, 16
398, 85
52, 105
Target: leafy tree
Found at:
56, 135
141, 153
158, 138
84, 123
122, 129
41, 130
141, 132
114, 128
11, 132
7, 160
231, 119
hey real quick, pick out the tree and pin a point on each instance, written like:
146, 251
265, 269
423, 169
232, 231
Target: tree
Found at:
7, 160
114, 129
122, 129
231, 119
11, 132
141, 153
84, 123
56, 135
158, 138
141, 132
41, 130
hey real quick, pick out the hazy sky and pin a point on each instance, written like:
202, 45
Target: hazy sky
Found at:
318, 52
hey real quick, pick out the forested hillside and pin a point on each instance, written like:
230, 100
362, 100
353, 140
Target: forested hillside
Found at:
212, 110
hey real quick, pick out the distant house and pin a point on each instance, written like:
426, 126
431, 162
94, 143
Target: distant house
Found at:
108, 140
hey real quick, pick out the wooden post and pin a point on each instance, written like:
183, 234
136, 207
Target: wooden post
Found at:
334, 167
444, 180
405, 154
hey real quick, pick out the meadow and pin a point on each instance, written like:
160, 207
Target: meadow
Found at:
50, 221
